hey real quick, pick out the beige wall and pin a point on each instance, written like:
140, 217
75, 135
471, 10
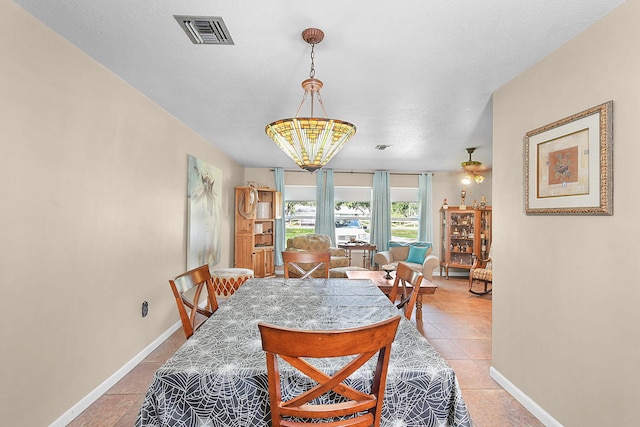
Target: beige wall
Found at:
565, 321
93, 220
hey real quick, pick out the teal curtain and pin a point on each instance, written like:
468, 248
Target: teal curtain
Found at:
425, 221
279, 243
325, 206
381, 211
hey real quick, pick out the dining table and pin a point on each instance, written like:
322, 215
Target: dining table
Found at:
218, 377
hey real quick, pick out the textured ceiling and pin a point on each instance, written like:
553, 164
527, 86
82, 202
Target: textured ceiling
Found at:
416, 75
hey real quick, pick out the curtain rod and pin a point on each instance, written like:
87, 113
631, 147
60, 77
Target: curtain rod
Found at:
360, 172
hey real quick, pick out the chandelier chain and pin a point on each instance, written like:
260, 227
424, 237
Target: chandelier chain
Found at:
312, 72
304, 97
321, 105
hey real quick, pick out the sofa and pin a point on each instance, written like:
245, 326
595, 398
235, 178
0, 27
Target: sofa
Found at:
417, 254
318, 243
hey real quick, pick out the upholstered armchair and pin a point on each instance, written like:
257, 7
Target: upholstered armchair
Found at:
482, 272
317, 243
417, 254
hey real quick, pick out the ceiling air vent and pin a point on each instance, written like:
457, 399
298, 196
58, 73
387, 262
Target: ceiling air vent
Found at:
205, 29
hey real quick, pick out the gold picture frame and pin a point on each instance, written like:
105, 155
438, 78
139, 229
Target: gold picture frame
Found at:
569, 165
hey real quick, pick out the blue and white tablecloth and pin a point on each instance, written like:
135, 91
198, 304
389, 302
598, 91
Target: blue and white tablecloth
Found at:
218, 377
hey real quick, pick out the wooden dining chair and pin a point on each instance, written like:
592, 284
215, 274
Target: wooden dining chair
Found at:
187, 289
295, 347
306, 263
407, 284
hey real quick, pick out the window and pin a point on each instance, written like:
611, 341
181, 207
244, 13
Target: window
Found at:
404, 221
352, 212
353, 219
299, 217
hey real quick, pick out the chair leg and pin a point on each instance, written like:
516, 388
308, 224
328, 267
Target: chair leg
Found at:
486, 287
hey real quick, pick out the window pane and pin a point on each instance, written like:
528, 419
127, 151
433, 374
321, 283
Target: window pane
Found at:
352, 212
404, 221
353, 219
299, 217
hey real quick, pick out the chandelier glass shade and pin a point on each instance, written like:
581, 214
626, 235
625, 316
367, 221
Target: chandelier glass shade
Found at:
469, 177
311, 142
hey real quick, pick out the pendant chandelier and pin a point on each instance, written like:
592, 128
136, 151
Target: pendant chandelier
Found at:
311, 141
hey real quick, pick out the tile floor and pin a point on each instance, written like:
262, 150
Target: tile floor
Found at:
457, 323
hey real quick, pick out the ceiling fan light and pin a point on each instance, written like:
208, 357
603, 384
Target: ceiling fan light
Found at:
471, 168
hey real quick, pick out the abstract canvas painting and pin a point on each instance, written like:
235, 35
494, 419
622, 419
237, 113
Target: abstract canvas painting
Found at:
204, 192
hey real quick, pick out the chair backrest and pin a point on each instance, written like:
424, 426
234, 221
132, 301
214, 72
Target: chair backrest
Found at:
407, 284
182, 286
296, 346
305, 263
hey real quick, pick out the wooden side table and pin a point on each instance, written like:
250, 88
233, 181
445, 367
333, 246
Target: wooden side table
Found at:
366, 248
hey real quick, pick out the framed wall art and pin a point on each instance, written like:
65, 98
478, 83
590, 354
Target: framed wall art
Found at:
569, 165
204, 197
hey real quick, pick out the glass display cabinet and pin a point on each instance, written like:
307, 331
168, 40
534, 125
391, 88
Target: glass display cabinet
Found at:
464, 235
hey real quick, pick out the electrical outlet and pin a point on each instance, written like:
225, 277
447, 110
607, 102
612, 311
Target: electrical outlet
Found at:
145, 308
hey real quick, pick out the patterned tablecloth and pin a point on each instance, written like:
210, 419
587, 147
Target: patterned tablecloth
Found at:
219, 377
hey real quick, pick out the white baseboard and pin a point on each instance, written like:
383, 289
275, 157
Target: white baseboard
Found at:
525, 400
83, 404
